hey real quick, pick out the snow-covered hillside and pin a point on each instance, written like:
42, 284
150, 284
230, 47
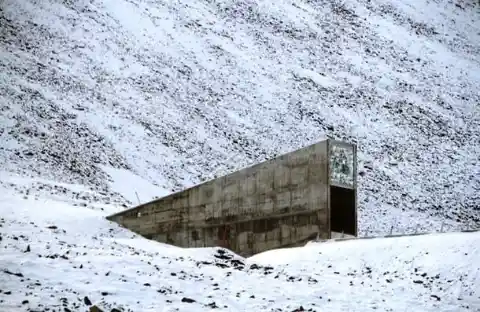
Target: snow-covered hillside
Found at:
58, 257
170, 93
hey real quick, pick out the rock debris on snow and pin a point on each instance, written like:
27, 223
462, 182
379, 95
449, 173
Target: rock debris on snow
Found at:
281, 280
105, 104
95, 94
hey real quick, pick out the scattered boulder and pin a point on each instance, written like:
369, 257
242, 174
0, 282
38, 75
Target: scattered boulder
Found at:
12, 273
212, 305
436, 297
87, 301
188, 300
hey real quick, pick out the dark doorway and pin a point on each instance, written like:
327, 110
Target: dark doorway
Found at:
343, 215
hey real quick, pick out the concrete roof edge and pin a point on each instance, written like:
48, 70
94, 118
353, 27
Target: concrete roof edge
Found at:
323, 139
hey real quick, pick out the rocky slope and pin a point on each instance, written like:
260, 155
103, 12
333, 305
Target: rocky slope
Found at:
178, 92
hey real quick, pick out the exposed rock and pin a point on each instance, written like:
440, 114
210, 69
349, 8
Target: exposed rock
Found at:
87, 301
11, 273
212, 305
436, 297
188, 300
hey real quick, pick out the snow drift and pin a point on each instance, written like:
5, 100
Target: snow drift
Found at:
59, 257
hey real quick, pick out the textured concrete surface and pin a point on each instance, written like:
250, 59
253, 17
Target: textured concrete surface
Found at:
280, 202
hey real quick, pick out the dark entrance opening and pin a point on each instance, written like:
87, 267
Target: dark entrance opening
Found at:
343, 216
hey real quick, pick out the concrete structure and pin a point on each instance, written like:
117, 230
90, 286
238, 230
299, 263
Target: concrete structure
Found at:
285, 201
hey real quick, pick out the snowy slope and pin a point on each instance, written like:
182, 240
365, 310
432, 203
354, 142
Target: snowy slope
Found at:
58, 257
105, 93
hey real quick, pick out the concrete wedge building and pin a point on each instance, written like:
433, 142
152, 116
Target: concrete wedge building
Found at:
286, 201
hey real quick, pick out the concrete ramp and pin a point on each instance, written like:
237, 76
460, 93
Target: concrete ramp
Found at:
282, 202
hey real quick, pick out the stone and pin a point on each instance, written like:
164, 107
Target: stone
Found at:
87, 301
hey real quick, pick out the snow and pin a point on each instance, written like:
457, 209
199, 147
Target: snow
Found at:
103, 101
317, 78
75, 252
341, 235
133, 187
179, 92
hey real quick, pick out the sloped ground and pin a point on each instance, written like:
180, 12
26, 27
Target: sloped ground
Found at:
177, 92
57, 257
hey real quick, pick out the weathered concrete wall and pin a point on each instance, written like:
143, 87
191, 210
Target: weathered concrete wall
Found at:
276, 203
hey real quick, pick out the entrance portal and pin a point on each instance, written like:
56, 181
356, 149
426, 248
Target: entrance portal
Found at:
342, 213
343, 196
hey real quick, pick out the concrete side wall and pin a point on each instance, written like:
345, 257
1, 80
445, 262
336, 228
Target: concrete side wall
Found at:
276, 203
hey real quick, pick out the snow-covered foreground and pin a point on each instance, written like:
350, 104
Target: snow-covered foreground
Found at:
166, 94
55, 257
